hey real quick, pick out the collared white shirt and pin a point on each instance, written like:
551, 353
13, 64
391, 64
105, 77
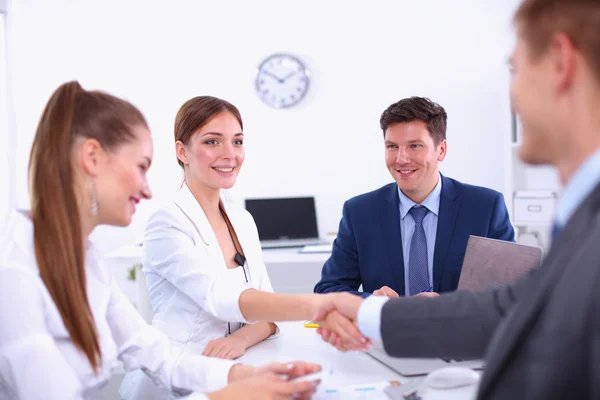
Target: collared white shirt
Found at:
37, 357
430, 222
194, 295
581, 184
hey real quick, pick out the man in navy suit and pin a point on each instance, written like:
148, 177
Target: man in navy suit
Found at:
410, 236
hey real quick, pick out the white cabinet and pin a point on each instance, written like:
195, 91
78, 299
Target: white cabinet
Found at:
534, 206
531, 193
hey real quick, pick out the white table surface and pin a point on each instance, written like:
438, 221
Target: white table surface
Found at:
293, 255
352, 368
286, 255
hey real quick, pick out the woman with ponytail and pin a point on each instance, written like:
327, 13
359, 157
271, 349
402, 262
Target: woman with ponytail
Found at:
64, 324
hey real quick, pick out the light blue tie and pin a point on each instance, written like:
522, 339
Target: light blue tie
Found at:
418, 271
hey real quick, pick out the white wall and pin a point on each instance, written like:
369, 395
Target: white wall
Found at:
363, 56
4, 164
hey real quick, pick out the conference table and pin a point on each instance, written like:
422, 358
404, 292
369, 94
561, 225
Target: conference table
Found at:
350, 375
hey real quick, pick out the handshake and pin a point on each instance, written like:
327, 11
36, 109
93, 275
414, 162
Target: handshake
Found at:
337, 316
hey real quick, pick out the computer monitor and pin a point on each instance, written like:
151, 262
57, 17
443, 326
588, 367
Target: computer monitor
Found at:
285, 222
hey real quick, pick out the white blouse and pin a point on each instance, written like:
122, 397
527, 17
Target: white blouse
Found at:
194, 296
38, 359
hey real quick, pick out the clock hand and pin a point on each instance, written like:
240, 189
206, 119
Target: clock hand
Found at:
288, 76
278, 79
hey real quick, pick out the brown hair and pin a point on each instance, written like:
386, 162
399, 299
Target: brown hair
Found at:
196, 112
538, 20
71, 112
417, 109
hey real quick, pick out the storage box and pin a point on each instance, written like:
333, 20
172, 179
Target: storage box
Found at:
534, 206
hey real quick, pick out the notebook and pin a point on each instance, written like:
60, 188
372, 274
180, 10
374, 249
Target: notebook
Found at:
491, 262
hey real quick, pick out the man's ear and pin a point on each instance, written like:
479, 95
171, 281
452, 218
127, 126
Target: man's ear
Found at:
91, 153
442, 150
180, 151
563, 55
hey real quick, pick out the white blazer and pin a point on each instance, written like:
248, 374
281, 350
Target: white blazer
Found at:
194, 296
38, 360
193, 293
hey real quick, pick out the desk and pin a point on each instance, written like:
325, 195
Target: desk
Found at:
352, 368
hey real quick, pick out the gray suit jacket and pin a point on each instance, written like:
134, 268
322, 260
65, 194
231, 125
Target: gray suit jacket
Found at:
540, 336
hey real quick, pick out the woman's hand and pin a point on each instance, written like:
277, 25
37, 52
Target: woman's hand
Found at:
228, 348
265, 387
336, 322
291, 370
269, 381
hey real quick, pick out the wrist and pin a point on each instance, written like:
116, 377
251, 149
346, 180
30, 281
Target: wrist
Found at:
315, 304
239, 338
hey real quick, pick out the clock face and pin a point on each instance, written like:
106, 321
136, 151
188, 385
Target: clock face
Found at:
282, 81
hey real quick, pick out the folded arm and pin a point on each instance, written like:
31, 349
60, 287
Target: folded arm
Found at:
141, 346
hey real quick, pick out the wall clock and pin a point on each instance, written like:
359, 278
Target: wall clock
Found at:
282, 80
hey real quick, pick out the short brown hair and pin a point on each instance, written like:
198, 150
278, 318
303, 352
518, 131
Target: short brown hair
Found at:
538, 20
417, 109
196, 112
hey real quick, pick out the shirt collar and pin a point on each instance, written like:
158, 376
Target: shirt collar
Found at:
578, 188
431, 202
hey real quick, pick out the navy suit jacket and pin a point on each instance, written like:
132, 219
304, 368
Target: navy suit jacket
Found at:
368, 248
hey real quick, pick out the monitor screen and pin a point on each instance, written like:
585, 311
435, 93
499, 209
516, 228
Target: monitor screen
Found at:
284, 218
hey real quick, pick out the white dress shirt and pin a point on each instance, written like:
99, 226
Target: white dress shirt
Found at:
194, 296
37, 357
430, 222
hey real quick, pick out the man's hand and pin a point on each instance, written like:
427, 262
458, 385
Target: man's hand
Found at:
428, 294
228, 348
345, 303
387, 292
335, 322
337, 317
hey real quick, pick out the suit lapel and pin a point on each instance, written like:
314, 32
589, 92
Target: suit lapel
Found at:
449, 206
512, 331
188, 204
390, 220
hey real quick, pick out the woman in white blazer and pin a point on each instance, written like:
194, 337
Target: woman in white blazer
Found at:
65, 325
201, 251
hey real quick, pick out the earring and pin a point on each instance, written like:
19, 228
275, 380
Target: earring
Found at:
94, 198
